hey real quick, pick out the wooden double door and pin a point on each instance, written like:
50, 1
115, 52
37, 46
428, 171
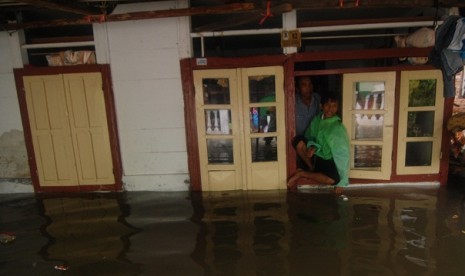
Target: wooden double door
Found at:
368, 114
241, 128
69, 130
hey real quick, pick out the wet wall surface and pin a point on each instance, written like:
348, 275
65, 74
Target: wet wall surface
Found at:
376, 231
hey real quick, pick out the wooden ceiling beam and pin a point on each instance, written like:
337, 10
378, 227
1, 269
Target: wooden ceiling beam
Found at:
249, 7
223, 9
89, 19
324, 4
60, 7
244, 18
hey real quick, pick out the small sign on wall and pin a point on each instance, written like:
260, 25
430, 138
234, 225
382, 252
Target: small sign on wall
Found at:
290, 38
201, 61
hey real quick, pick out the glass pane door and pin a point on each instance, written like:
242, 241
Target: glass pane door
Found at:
368, 117
240, 121
262, 117
218, 133
420, 122
263, 103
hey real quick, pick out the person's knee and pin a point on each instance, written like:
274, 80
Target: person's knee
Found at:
330, 181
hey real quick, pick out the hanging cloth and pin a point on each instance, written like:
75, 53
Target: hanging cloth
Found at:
268, 12
449, 61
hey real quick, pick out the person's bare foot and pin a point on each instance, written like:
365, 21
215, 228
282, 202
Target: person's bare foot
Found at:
292, 182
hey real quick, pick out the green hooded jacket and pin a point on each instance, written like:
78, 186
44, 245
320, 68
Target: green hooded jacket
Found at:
330, 138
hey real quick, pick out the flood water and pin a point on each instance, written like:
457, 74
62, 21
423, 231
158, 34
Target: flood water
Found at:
377, 231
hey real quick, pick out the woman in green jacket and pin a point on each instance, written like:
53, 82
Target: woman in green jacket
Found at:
324, 148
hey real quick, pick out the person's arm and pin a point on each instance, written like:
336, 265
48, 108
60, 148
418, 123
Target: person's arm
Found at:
311, 132
339, 143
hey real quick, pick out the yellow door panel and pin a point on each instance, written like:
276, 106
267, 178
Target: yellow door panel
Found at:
51, 137
241, 128
89, 128
420, 122
60, 148
265, 145
222, 180
219, 132
267, 177
368, 115
69, 128
86, 165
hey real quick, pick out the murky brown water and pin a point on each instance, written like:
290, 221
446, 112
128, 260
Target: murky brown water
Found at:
395, 231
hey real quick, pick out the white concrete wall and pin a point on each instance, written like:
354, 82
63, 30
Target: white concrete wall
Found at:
14, 169
144, 57
10, 117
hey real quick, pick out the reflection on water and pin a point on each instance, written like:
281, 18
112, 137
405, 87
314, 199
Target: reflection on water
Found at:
86, 234
396, 231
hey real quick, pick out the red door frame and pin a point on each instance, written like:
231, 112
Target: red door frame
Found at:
289, 62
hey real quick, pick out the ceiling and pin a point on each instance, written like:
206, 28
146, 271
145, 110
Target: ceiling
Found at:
218, 15
75, 17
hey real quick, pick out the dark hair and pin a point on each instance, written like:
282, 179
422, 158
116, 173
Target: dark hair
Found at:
299, 79
329, 97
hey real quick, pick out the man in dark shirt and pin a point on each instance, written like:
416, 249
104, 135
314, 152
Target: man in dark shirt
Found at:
307, 106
